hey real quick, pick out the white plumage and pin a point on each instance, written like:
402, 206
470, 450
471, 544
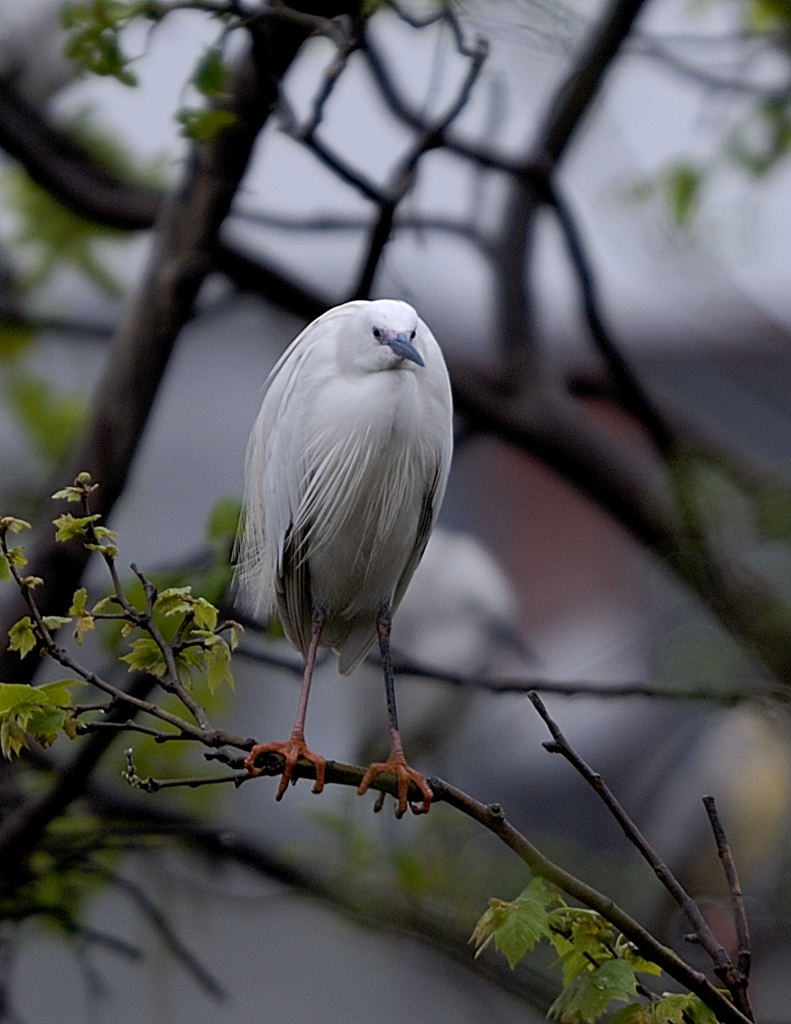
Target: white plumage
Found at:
346, 468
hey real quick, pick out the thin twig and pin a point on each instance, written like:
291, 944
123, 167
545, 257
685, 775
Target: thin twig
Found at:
703, 932
405, 174
152, 785
739, 977
170, 680
166, 932
493, 818
632, 393
743, 693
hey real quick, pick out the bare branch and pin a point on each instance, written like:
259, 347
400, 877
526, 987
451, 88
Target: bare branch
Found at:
188, 228
165, 931
744, 693
738, 978
703, 933
405, 174
492, 817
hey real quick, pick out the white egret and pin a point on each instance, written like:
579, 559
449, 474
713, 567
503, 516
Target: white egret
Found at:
345, 472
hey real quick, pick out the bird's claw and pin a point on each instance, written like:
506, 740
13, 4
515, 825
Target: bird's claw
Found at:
291, 751
404, 774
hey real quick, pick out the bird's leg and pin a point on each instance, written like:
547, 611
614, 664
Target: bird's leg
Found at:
295, 747
396, 763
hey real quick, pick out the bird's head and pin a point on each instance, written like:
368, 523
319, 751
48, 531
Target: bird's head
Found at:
386, 334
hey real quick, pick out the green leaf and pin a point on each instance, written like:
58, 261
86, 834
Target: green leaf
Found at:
10, 524
14, 695
636, 1014
110, 550
16, 557
69, 526
764, 16
218, 666
579, 937
188, 659
205, 614
13, 735
675, 1008
15, 339
515, 927
12, 556
85, 620
683, 184
93, 29
22, 638
145, 656
587, 997
233, 635
81, 487
211, 74
51, 418
40, 712
223, 520
59, 693
51, 237
204, 125
104, 533
629, 952
53, 622
68, 494
174, 601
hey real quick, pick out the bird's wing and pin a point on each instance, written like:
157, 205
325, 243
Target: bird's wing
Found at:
275, 473
293, 596
428, 513
363, 632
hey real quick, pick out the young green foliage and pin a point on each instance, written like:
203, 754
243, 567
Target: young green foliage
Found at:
211, 75
517, 926
94, 28
50, 418
599, 966
172, 628
202, 125
34, 712
52, 236
86, 620
670, 1008
11, 557
68, 526
196, 645
22, 637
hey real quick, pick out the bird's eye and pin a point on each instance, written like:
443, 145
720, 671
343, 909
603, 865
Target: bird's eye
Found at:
412, 335
377, 333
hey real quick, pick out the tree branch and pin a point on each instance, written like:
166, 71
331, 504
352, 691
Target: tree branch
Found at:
737, 978
186, 237
703, 933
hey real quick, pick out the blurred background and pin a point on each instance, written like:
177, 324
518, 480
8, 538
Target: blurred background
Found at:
588, 204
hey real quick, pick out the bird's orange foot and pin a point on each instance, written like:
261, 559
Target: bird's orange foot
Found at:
291, 750
404, 774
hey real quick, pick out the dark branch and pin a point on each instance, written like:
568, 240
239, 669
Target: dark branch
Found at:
723, 966
188, 229
738, 978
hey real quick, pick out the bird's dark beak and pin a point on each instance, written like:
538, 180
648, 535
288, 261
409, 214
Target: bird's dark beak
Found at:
402, 345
